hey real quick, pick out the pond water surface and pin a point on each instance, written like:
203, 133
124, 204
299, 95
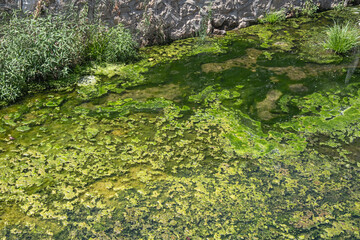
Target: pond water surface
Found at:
253, 135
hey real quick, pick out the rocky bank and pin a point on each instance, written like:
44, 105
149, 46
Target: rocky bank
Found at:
155, 21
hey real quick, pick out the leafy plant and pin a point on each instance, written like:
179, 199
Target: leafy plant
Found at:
203, 31
309, 8
273, 17
342, 38
110, 44
36, 50
340, 7
120, 45
47, 48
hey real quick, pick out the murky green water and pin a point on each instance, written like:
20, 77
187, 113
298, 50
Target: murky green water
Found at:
249, 136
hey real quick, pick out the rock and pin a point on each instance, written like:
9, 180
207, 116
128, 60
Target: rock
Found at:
218, 21
219, 32
243, 24
166, 20
87, 81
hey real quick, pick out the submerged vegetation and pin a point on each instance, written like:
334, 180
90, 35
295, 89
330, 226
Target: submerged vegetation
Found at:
36, 50
245, 136
342, 38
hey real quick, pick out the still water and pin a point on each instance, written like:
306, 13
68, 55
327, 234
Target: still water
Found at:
253, 135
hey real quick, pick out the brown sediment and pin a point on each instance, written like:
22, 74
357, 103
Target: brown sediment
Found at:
265, 107
168, 91
247, 61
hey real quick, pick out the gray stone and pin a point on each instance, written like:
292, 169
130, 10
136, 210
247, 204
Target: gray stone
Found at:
219, 32
87, 81
156, 21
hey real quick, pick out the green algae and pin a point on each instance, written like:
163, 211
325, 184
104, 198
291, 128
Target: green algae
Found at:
113, 161
23, 128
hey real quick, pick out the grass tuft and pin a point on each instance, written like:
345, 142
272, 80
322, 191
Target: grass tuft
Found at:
342, 38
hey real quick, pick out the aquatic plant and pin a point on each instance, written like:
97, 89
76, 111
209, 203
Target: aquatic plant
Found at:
273, 17
309, 8
342, 38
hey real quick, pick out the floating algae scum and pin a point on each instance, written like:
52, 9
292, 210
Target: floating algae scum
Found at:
249, 136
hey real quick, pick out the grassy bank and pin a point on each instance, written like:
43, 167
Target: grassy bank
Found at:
36, 50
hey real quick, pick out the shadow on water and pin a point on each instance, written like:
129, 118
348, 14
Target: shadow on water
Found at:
353, 66
245, 68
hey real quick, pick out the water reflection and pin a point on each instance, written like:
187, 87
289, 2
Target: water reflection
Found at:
353, 66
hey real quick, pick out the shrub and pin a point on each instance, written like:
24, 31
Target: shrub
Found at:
342, 38
340, 7
36, 49
33, 50
309, 8
273, 17
110, 44
203, 30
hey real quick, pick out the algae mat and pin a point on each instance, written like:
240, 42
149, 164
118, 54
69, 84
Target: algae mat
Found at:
245, 136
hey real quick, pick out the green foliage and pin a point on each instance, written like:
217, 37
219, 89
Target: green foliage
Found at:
47, 48
340, 7
36, 49
202, 34
110, 44
309, 8
134, 165
342, 38
273, 17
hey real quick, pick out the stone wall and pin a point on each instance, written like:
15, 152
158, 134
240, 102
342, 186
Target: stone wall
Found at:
162, 20
155, 21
